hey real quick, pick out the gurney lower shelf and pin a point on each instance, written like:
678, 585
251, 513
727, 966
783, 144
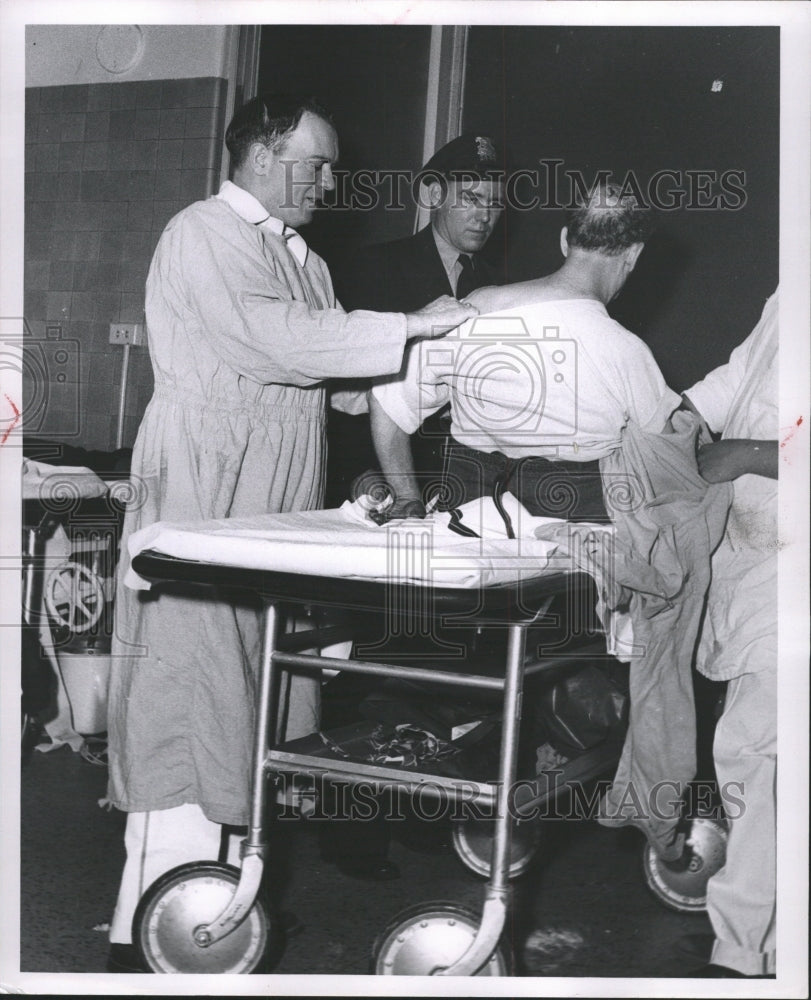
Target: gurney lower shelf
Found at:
342, 758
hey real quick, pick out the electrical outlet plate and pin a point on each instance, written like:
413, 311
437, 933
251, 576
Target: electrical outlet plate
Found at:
126, 333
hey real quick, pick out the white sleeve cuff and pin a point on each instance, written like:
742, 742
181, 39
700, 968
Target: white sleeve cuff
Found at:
392, 398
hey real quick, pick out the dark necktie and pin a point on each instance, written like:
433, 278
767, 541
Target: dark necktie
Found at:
296, 243
467, 279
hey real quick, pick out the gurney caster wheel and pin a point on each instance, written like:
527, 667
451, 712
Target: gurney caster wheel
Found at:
427, 938
682, 885
473, 842
177, 903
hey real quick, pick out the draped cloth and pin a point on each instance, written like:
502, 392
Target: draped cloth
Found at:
668, 521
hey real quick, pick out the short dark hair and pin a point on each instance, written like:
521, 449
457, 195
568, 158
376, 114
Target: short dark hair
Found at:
268, 120
609, 221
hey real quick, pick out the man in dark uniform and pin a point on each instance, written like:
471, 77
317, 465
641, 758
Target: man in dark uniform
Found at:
463, 183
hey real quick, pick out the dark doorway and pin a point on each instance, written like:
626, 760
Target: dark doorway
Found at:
703, 103
373, 81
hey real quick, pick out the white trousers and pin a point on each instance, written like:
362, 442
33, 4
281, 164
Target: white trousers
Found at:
157, 842
741, 897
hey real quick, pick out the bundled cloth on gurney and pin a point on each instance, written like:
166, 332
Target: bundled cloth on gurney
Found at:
345, 543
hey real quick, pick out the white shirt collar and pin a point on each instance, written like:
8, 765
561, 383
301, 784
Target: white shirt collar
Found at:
253, 211
244, 204
448, 254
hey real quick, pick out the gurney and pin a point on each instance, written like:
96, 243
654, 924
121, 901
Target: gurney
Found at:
210, 917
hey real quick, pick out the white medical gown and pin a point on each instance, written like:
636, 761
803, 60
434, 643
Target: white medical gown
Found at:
240, 337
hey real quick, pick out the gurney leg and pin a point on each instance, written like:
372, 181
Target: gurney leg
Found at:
254, 845
265, 725
424, 939
495, 906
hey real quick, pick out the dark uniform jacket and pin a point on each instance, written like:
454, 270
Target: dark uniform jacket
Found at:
401, 276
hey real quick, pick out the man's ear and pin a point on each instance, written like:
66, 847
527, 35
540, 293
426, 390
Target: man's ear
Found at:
564, 241
632, 255
260, 158
436, 194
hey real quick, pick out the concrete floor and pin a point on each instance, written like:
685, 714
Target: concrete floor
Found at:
585, 889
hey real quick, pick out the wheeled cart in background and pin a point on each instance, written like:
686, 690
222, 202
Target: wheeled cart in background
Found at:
71, 526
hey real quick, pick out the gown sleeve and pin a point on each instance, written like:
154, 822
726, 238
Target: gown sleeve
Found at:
247, 313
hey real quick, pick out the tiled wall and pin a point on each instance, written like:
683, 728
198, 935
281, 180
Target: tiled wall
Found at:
107, 165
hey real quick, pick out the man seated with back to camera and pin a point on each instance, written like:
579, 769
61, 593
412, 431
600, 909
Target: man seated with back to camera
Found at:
541, 434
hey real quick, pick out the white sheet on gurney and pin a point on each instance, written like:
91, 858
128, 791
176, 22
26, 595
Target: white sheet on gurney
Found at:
344, 543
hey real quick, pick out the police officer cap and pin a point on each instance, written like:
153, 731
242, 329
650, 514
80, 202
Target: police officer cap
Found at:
466, 157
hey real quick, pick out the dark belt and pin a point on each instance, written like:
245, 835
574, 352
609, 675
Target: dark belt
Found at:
569, 490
